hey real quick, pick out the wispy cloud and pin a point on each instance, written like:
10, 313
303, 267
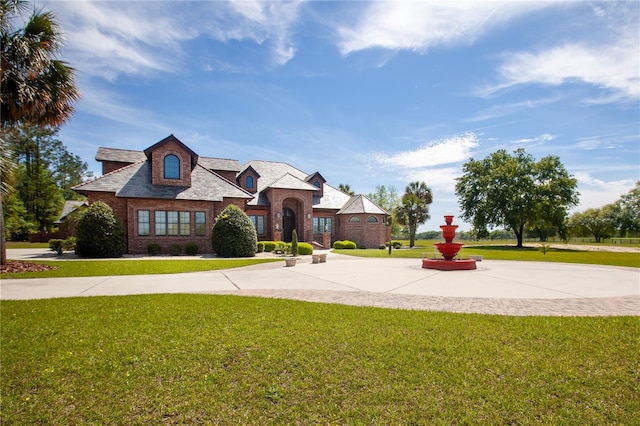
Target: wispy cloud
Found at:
615, 68
611, 64
108, 39
503, 110
446, 151
408, 25
538, 140
433, 162
596, 192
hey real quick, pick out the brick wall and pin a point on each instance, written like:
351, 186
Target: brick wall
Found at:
109, 166
157, 165
364, 233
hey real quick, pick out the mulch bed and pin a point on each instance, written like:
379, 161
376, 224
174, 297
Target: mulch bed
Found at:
14, 266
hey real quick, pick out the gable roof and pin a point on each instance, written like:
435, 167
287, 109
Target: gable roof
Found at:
361, 204
134, 181
69, 207
130, 156
119, 155
288, 181
309, 177
272, 171
172, 139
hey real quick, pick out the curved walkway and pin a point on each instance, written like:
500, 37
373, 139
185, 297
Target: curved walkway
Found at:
496, 287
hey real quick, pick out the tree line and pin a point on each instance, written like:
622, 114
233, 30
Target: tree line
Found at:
511, 195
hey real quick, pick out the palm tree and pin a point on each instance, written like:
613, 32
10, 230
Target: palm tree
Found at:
346, 188
35, 88
414, 208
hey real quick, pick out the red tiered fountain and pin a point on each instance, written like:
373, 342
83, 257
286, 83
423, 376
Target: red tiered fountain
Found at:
449, 250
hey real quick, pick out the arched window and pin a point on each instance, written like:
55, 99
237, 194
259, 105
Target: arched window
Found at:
249, 181
354, 219
372, 219
171, 167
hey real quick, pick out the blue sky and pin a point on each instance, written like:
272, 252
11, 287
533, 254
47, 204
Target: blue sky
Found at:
366, 93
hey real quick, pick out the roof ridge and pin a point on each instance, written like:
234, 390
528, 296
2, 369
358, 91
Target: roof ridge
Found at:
112, 172
226, 180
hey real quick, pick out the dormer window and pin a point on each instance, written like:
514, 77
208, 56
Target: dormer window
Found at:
249, 182
171, 167
316, 184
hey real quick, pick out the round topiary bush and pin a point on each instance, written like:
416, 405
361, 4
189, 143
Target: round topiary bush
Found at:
153, 249
233, 234
99, 233
344, 244
175, 249
305, 249
191, 249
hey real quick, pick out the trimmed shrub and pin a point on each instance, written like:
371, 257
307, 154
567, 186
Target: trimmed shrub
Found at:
58, 245
305, 249
191, 249
233, 234
100, 233
294, 243
397, 245
260, 246
269, 246
55, 244
344, 244
153, 249
69, 244
175, 249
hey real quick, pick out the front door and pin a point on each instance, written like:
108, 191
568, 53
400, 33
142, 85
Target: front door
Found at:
288, 224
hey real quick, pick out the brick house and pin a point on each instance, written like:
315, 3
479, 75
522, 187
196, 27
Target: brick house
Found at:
168, 194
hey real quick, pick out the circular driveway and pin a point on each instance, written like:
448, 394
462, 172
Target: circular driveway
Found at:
496, 287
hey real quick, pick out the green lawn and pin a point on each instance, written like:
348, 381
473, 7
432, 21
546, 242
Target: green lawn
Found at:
194, 359
501, 252
95, 268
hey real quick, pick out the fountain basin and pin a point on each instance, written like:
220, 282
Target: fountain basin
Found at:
449, 265
448, 250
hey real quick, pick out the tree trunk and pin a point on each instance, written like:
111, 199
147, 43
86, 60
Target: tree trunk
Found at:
412, 235
3, 244
519, 233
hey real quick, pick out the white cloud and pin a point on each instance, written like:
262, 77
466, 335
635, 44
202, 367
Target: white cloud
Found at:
503, 110
442, 179
596, 192
445, 151
415, 25
108, 39
538, 140
614, 67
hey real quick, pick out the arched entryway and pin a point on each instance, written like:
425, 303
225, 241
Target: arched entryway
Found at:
288, 224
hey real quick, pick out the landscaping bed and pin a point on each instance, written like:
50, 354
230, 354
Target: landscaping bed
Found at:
16, 267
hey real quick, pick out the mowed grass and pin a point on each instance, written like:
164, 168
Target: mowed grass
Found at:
96, 268
502, 252
197, 359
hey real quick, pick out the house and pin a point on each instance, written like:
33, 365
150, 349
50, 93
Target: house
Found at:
168, 194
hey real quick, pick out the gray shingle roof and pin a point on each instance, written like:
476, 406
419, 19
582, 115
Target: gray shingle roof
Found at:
69, 207
134, 181
270, 173
361, 204
130, 156
119, 155
288, 181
